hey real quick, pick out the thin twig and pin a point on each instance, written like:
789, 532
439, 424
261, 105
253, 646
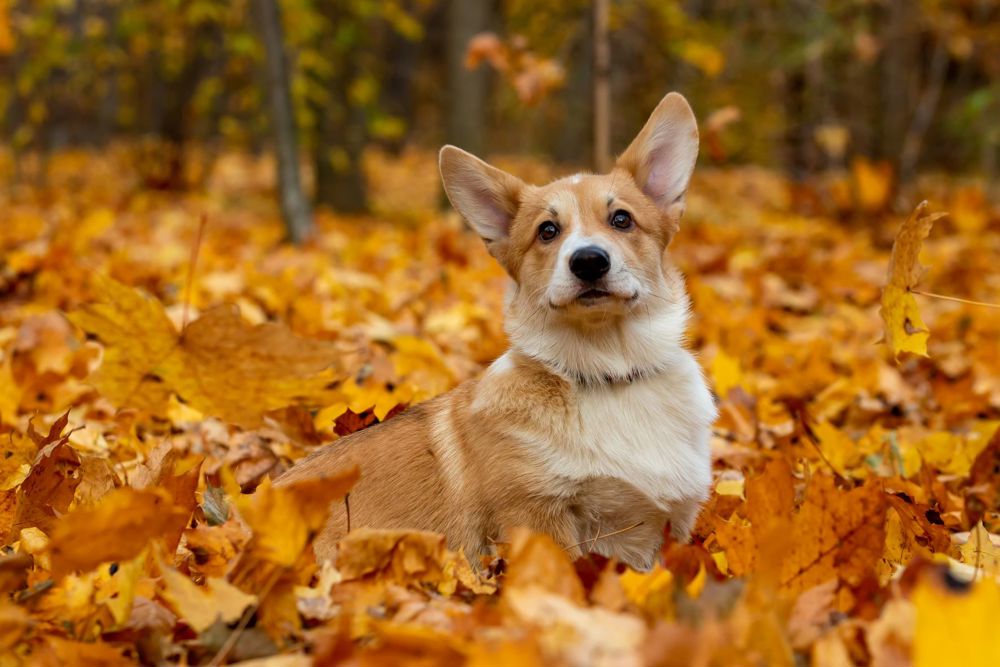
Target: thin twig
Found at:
195, 250
594, 541
234, 636
955, 298
601, 537
979, 551
347, 506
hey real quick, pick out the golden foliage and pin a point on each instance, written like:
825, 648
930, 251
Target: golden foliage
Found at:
855, 494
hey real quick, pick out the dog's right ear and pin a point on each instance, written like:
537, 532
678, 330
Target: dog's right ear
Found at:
485, 196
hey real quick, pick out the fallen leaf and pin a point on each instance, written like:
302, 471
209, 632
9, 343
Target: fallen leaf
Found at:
218, 364
48, 489
284, 518
982, 551
955, 625
395, 555
537, 561
117, 529
905, 331
202, 606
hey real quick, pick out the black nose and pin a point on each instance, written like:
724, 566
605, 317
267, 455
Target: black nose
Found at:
589, 263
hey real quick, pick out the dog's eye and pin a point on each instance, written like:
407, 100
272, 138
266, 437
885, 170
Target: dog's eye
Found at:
621, 220
548, 230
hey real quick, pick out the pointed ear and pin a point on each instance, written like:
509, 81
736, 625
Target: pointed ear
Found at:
485, 196
662, 156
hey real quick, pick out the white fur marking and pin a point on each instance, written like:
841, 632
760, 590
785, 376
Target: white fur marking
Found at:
652, 433
448, 451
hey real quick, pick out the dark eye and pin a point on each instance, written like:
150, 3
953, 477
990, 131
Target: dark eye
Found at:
621, 220
548, 230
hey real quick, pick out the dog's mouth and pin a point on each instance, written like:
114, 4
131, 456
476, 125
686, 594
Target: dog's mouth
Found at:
595, 297
592, 294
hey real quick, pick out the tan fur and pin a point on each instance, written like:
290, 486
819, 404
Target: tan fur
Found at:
522, 445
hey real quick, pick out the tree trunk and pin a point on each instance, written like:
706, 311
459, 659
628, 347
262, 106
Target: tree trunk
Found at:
602, 87
575, 131
466, 88
294, 206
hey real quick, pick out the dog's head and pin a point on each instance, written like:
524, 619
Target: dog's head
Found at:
586, 249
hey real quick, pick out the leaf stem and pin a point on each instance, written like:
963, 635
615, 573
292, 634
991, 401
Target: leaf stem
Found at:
195, 251
601, 537
955, 298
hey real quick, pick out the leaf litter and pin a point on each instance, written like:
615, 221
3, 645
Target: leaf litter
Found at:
145, 409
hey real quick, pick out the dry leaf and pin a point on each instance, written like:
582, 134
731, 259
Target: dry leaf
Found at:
285, 518
399, 556
203, 606
220, 365
905, 331
117, 529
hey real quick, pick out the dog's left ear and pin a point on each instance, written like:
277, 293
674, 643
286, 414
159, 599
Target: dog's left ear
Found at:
662, 156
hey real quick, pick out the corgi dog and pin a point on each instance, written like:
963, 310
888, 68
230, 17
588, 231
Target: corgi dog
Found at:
594, 426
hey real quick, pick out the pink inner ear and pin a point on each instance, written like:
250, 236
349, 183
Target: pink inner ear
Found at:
666, 178
497, 218
657, 180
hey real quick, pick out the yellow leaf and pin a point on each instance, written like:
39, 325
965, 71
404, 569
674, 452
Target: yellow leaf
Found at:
220, 365
981, 552
285, 517
837, 446
137, 336
956, 628
726, 373
201, 606
873, 181
651, 591
117, 529
10, 393
904, 329
121, 589
731, 487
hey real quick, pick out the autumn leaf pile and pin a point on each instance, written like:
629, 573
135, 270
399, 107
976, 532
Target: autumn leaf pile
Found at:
164, 356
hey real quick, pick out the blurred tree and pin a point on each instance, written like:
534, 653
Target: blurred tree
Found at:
294, 206
805, 85
467, 87
602, 86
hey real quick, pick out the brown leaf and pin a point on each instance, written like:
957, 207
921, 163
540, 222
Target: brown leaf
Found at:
394, 555
48, 490
983, 491
837, 534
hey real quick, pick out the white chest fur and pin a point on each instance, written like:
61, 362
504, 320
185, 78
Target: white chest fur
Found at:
652, 433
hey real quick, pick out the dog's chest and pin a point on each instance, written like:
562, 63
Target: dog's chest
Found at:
651, 433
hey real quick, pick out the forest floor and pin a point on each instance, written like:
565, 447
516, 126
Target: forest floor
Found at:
855, 496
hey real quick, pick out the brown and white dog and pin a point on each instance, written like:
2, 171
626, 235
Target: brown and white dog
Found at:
594, 426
